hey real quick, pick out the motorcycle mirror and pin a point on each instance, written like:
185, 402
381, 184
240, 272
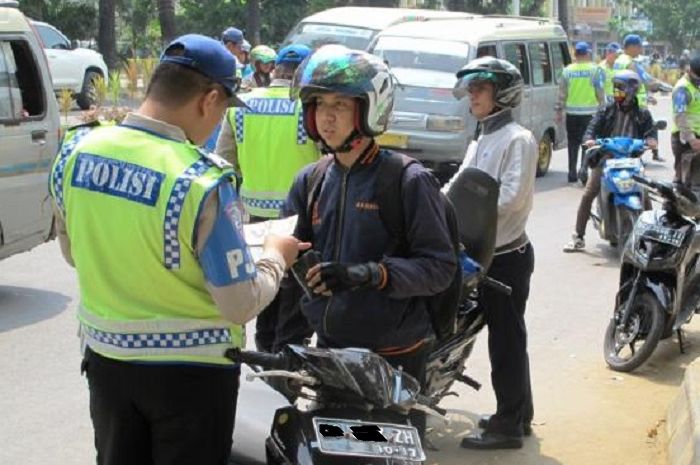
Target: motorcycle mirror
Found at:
660, 125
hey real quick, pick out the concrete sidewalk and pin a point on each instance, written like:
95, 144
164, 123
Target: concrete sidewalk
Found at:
683, 420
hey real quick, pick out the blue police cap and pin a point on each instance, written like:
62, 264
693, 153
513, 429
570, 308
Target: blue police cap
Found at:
232, 34
613, 47
631, 39
292, 54
208, 57
582, 48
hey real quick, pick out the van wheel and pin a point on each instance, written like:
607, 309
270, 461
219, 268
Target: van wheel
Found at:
544, 155
88, 96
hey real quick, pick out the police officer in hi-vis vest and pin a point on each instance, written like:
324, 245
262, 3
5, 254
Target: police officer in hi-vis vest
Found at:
266, 141
581, 92
153, 227
629, 59
685, 131
608, 66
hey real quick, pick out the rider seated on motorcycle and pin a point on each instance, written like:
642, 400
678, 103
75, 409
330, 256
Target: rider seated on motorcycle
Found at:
620, 118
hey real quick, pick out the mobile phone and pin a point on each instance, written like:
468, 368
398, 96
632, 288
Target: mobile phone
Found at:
303, 264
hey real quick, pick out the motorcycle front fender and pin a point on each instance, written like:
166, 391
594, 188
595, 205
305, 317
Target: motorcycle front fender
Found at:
661, 290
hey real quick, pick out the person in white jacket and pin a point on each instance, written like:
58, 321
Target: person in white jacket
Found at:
508, 152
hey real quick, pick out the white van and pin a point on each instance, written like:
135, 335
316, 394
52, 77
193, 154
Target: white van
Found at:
29, 134
355, 27
429, 123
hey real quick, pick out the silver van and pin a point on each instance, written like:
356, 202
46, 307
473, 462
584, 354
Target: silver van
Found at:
434, 127
355, 27
29, 134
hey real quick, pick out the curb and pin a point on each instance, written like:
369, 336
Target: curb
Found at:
683, 420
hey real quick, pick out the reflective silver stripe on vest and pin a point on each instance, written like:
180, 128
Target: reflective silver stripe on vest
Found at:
239, 117
177, 337
171, 243
581, 110
174, 325
57, 177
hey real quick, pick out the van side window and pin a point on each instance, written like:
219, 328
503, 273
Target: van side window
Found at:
541, 66
486, 50
51, 38
6, 107
25, 79
560, 58
517, 55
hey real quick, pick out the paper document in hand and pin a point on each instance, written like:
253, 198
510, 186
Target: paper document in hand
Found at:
255, 233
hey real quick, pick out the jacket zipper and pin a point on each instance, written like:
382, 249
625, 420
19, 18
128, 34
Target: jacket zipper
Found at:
338, 238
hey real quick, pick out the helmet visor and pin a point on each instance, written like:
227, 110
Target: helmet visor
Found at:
471, 80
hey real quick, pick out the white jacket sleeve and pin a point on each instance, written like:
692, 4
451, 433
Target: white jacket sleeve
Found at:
517, 174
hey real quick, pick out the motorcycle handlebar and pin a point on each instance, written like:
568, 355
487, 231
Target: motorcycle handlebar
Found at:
262, 359
497, 285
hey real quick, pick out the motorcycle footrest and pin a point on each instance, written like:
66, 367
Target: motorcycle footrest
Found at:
469, 381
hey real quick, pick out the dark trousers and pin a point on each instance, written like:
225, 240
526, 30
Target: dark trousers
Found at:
575, 129
282, 322
505, 318
161, 414
679, 148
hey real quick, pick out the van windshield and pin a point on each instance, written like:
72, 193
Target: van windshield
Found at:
317, 34
423, 62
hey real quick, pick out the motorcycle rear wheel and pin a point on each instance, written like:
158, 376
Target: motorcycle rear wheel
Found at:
645, 325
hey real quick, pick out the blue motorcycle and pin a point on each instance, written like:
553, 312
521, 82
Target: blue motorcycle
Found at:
620, 200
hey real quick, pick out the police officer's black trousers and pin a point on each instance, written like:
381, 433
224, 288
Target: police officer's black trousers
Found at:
147, 414
575, 129
505, 318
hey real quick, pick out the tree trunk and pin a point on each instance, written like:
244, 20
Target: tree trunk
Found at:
564, 14
166, 16
253, 32
106, 36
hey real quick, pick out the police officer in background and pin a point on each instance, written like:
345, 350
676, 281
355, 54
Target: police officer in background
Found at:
685, 131
235, 43
153, 227
266, 141
581, 92
629, 59
608, 66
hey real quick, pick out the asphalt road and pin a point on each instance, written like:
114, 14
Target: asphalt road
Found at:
585, 413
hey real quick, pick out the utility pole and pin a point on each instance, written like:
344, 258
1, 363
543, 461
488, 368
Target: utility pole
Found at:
563, 14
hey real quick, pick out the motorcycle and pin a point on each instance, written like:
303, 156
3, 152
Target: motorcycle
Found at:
620, 200
352, 405
659, 278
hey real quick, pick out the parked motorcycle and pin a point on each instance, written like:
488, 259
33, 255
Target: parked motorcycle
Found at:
352, 405
659, 278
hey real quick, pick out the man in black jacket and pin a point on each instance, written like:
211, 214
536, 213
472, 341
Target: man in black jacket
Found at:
620, 118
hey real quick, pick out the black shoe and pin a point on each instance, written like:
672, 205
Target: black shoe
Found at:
488, 440
484, 424
573, 178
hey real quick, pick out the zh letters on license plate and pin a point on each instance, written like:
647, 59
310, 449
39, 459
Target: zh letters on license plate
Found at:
363, 439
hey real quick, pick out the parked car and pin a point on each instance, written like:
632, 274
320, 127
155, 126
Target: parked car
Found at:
429, 122
355, 27
72, 67
29, 132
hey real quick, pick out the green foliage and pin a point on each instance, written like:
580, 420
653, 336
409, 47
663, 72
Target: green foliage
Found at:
76, 19
115, 87
674, 20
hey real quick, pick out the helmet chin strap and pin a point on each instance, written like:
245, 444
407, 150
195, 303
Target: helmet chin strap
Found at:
351, 142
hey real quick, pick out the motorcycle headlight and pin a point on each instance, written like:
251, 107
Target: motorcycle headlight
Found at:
624, 184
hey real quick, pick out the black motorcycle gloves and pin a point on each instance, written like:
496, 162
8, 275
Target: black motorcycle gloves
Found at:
336, 277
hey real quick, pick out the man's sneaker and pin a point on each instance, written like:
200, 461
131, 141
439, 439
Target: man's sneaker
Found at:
577, 244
